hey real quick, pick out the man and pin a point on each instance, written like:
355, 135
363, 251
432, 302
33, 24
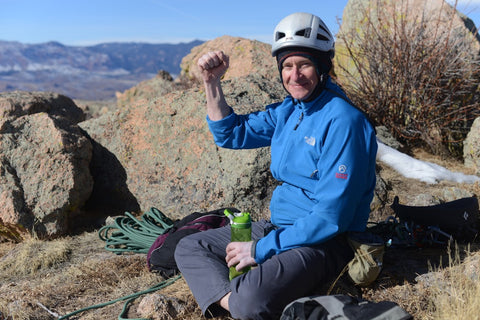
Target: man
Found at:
323, 151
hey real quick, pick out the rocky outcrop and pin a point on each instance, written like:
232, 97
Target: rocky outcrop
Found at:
149, 89
471, 147
160, 136
247, 57
153, 150
19, 103
44, 158
438, 17
388, 57
169, 156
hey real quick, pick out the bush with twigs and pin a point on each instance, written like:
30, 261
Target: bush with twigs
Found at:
414, 71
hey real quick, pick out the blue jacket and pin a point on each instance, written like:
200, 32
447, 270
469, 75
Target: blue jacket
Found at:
324, 153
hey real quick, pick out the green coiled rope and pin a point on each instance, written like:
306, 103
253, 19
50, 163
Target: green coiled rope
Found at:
128, 234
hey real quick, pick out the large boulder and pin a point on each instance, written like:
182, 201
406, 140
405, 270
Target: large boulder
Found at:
158, 136
44, 164
438, 17
19, 103
246, 57
409, 64
471, 147
163, 142
169, 156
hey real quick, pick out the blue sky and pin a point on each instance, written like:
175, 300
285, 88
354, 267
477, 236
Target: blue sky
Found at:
87, 22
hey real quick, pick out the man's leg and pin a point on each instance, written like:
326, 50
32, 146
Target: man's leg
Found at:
263, 292
200, 258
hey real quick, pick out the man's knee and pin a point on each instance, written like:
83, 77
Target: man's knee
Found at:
184, 248
252, 304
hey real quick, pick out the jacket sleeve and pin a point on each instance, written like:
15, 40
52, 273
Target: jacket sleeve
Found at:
342, 195
247, 131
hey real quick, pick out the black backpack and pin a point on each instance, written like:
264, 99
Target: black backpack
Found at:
342, 307
160, 256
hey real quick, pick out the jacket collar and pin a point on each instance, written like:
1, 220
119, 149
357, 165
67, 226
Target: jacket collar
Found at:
315, 104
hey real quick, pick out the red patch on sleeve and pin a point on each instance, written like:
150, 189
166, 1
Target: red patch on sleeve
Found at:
341, 175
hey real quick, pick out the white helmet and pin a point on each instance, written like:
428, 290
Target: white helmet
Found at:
302, 30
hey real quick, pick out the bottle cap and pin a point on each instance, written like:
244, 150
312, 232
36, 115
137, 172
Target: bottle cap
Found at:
239, 219
242, 217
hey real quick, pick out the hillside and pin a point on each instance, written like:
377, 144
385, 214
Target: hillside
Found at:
87, 73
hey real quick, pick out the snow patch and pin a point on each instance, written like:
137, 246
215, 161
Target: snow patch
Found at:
417, 169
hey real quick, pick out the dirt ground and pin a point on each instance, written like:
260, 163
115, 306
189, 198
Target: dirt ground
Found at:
49, 279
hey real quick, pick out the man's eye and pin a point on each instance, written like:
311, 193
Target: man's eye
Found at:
306, 66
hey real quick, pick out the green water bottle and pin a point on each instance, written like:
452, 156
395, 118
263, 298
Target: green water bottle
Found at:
241, 230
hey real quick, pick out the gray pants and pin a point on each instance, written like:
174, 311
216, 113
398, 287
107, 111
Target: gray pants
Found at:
265, 290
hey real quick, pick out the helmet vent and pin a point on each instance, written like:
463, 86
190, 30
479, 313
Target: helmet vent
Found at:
326, 31
304, 32
279, 36
320, 37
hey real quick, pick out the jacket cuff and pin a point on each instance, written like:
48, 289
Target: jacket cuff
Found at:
253, 249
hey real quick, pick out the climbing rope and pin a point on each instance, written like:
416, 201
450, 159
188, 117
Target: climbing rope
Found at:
130, 298
129, 234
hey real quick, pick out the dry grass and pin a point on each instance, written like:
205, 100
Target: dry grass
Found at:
67, 275
33, 256
456, 290
77, 272
71, 273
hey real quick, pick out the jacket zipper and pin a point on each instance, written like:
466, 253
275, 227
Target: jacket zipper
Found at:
298, 122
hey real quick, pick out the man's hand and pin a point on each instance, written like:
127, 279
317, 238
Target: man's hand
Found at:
213, 65
239, 254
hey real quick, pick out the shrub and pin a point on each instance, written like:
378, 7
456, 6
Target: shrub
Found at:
414, 71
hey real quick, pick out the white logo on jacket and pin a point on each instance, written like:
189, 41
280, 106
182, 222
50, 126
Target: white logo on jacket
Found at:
310, 140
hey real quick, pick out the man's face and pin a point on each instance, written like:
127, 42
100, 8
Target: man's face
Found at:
299, 77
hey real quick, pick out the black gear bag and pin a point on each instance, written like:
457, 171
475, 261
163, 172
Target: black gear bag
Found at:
458, 219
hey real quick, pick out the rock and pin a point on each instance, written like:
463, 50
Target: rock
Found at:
246, 57
110, 194
471, 147
19, 103
424, 199
159, 307
44, 159
380, 197
455, 193
387, 138
437, 13
149, 89
169, 156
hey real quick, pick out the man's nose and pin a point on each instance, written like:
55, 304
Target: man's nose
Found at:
296, 72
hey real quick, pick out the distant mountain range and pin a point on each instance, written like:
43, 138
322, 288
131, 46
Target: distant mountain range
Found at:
89, 72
